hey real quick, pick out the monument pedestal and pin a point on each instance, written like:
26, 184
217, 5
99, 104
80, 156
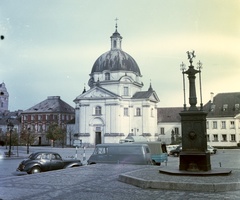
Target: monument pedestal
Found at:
194, 161
194, 155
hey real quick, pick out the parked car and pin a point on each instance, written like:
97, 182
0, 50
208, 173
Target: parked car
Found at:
211, 149
46, 161
176, 152
126, 153
171, 147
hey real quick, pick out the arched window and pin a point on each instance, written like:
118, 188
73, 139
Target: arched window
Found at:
107, 76
98, 110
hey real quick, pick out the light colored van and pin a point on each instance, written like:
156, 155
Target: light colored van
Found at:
138, 154
158, 151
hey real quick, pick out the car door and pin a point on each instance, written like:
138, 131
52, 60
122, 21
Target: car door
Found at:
56, 162
45, 161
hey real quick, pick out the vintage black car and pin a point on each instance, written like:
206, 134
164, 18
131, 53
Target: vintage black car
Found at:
46, 161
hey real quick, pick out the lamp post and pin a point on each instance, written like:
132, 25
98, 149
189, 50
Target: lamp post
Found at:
28, 135
183, 68
10, 128
199, 67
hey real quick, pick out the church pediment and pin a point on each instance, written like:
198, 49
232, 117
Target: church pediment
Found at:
154, 97
97, 92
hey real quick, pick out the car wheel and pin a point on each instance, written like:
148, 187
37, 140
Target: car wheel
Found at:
175, 154
35, 170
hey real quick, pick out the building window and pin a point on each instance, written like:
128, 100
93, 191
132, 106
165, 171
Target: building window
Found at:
233, 138
215, 138
125, 91
107, 76
225, 106
32, 117
214, 124
114, 43
39, 117
125, 110
98, 110
223, 125
208, 138
162, 131
224, 138
207, 125
176, 129
232, 124
138, 112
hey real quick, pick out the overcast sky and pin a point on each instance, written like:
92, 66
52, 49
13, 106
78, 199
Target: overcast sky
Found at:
50, 46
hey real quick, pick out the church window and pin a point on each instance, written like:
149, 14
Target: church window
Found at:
162, 131
138, 112
125, 91
114, 43
107, 76
98, 110
125, 111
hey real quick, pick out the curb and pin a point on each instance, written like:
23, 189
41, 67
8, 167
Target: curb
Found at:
166, 185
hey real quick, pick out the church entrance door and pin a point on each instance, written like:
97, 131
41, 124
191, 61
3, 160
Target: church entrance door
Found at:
98, 138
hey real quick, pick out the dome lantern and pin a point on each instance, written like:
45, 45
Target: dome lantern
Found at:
116, 39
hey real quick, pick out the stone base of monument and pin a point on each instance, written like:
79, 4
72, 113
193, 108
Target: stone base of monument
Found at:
212, 172
194, 162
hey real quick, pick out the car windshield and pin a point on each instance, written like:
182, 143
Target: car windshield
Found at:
31, 156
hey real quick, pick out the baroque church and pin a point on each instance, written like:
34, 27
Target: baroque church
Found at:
115, 106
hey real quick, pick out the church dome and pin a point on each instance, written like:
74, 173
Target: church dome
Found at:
116, 59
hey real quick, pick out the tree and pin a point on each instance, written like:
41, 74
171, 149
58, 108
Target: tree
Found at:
56, 133
27, 137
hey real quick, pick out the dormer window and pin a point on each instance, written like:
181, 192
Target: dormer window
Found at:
225, 106
212, 107
125, 91
107, 76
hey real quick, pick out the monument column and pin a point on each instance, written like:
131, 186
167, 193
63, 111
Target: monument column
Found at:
194, 155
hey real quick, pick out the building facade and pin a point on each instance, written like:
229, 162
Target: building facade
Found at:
4, 98
223, 119
115, 105
38, 118
169, 124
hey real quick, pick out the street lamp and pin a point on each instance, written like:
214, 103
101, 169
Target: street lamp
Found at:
28, 135
10, 128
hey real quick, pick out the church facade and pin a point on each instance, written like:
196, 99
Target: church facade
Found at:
115, 106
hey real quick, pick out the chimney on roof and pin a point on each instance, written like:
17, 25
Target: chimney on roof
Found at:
211, 96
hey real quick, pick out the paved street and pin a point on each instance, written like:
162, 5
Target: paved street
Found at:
101, 182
